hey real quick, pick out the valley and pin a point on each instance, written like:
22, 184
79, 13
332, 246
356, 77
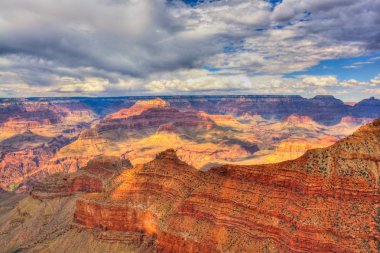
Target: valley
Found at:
325, 201
44, 136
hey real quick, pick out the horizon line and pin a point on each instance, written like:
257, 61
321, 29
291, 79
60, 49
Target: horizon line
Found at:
179, 95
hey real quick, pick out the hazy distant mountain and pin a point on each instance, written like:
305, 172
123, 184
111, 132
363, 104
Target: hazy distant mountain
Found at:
205, 130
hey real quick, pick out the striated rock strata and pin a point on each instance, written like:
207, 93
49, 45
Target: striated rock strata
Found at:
138, 128
20, 168
328, 200
97, 176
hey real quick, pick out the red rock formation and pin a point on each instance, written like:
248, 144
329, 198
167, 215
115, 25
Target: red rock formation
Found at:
203, 139
328, 200
20, 168
28, 139
138, 108
153, 118
323, 109
359, 121
45, 117
325, 201
31, 134
294, 119
95, 177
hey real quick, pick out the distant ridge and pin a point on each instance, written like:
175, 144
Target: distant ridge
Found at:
324, 109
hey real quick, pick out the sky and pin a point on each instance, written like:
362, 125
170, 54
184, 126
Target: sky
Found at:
190, 47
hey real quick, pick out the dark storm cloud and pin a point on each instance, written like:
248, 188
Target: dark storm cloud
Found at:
343, 20
130, 37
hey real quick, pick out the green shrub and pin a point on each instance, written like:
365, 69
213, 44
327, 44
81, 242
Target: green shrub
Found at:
13, 187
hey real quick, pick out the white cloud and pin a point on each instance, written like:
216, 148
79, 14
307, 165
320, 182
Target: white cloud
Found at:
353, 83
375, 81
372, 91
109, 47
321, 80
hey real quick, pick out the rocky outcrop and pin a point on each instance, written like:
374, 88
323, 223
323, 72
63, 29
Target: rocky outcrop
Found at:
155, 117
28, 139
97, 176
298, 120
31, 133
138, 108
369, 108
141, 126
325, 201
322, 109
19, 169
42, 112
43, 117
29, 111
325, 110
144, 129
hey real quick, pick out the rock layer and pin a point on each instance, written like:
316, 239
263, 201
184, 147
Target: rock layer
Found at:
206, 131
97, 176
20, 168
326, 201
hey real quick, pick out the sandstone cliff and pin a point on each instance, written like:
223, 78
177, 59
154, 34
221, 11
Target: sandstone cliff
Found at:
21, 167
140, 130
328, 200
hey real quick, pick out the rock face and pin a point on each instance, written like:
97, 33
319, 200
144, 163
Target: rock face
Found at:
22, 114
138, 108
206, 131
324, 201
95, 177
328, 200
149, 127
323, 109
152, 115
202, 139
367, 108
20, 168
31, 133
28, 139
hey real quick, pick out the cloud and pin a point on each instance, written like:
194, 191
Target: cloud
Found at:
347, 21
127, 37
321, 80
372, 91
357, 65
194, 81
107, 47
204, 82
375, 81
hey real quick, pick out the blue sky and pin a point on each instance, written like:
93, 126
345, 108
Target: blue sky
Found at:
197, 2
362, 68
130, 47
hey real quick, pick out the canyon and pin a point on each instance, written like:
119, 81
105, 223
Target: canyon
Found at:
327, 200
42, 136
